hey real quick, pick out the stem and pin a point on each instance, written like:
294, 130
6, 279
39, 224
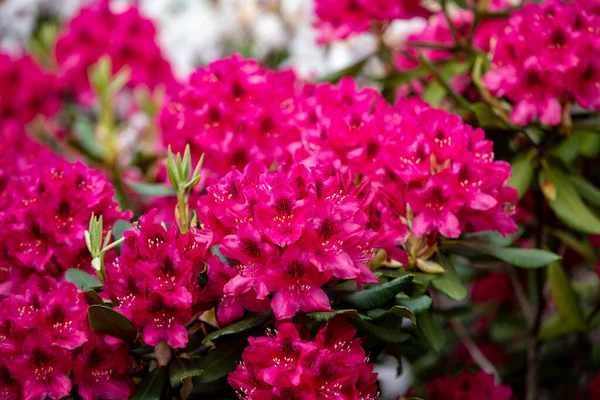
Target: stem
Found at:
472, 348
521, 297
460, 100
538, 276
183, 207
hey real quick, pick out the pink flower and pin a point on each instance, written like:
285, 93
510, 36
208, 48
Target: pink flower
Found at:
435, 207
42, 369
492, 287
127, 37
100, 371
293, 231
154, 280
290, 364
547, 57
468, 386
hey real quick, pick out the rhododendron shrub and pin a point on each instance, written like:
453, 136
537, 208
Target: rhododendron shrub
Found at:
249, 234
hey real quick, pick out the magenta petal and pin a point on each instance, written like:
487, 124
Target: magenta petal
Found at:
285, 304
316, 300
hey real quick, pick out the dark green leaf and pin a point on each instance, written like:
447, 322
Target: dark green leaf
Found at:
105, 320
93, 297
586, 190
385, 334
589, 143
486, 118
248, 322
120, 227
82, 279
377, 296
568, 149
493, 238
448, 283
151, 189
87, 139
555, 327
398, 311
326, 316
152, 386
417, 304
432, 331
522, 172
220, 361
182, 368
419, 277
224, 259
567, 204
581, 246
524, 258
564, 297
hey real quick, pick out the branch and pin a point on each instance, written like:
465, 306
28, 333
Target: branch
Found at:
472, 348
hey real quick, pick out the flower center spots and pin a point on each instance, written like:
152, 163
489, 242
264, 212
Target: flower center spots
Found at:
237, 90
64, 209
319, 189
437, 199
214, 116
94, 358
267, 125
372, 149
5, 376
327, 229
533, 79
589, 72
250, 248
295, 269
283, 207
167, 267
287, 348
40, 358
355, 122
558, 39
58, 315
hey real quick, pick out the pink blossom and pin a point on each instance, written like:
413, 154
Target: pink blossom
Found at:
291, 364
468, 386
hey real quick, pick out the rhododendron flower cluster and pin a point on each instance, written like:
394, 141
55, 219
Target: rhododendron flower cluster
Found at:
468, 386
45, 209
292, 231
47, 347
417, 161
154, 280
233, 111
127, 37
288, 365
26, 91
340, 19
547, 58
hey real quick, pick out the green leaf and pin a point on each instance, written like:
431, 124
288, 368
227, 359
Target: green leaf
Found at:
493, 238
434, 94
486, 117
84, 130
120, 227
378, 295
417, 305
448, 283
82, 279
555, 327
105, 320
432, 331
589, 143
182, 368
249, 322
385, 334
326, 316
522, 172
564, 297
151, 189
352, 70
224, 259
567, 204
581, 246
220, 361
419, 277
93, 297
586, 190
524, 258
398, 311
152, 386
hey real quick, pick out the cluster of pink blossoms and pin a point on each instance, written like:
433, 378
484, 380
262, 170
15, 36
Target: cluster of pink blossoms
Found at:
233, 111
437, 32
410, 156
292, 231
546, 58
340, 19
45, 208
26, 91
291, 366
468, 386
47, 346
128, 38
154, 280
